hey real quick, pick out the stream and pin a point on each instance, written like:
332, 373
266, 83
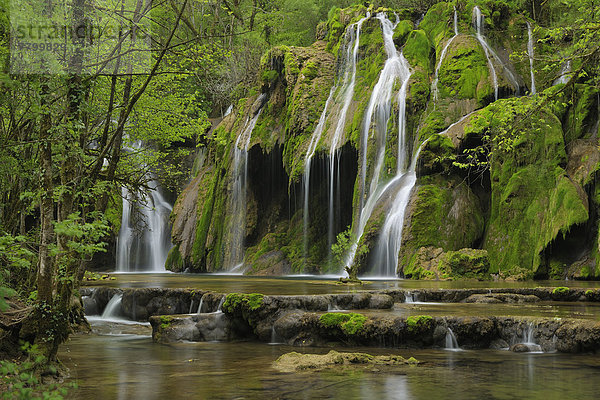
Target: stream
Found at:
118, 359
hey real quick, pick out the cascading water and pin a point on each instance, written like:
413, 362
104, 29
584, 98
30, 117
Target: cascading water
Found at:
390, 239
145, 248
530, 53
478, 24
346, 93
113, 309
237, 226
564, 73
396, 68
434, 84
450, 342
312, 146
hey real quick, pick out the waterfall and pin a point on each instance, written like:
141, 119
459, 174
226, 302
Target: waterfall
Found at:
478, 24
347, 92
275, 337
238, 203
228, 111
113, 309
530, 53
145, 248
220, 306
390, 238
396, 68
434, 84
200, 305
527, 338
451, 342
564, 73
312, 146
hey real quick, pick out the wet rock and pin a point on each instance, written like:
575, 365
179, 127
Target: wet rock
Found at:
380, 301
519, 348
90, 307
168, 329
499, 344
501, 298
289, 325
576, 336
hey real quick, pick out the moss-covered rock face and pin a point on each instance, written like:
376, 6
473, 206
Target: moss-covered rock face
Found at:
533, 200
536, 196
443, 213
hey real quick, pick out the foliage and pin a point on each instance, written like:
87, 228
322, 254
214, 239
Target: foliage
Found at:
23, 379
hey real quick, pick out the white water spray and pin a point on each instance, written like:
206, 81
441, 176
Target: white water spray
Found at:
450, 342
565, 72
312, 146
530, 53
396, 68
145, 247
347, 92
434, 84
478, 24
238, 204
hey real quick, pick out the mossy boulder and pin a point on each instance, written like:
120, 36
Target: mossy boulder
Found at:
441, 213
336, 361
433, 263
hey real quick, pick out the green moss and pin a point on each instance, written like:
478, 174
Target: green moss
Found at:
354, 325
205, 210
310, 70
174, 261
333, 320
533, 200
468, 263
165, 321
401, 32
464, 72
438, 22
419, 323
350, 324
444, 214
418, 50
561, 290
242, 301
269, 76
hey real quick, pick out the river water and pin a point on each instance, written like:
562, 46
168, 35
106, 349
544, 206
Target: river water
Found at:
120, 360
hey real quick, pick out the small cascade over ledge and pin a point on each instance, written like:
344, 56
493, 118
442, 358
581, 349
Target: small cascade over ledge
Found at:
450, 341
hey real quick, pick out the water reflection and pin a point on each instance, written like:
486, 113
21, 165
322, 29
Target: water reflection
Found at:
132, 366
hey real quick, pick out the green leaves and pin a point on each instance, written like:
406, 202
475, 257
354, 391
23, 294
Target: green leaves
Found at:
85, 238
